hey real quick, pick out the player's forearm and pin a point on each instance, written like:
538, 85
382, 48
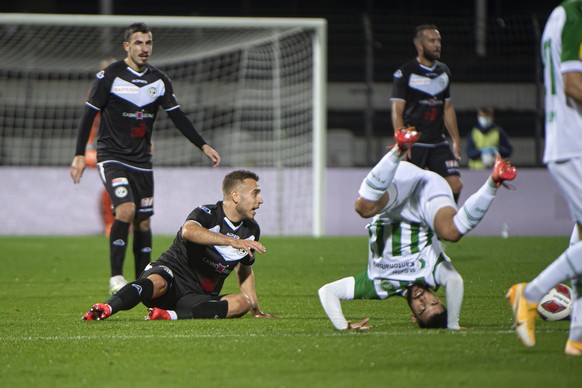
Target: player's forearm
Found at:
84, 130
448, 277
451, 123
246, 280
398, 114
194, 232
185, 125
330, 296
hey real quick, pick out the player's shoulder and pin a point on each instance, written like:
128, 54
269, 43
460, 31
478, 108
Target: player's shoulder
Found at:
112, 71
406, 69
442, 67
155, 71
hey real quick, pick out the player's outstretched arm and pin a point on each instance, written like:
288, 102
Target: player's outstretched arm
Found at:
196, 233
246, 282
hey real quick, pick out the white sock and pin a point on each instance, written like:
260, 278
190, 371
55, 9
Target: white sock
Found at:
474, 208
567, 266
378, 179
330, 296
173, 315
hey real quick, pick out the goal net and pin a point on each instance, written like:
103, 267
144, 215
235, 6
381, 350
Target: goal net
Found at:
254, 88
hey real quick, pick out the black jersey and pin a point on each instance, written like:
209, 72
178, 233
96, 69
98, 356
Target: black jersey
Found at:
129, 102
424, 90
202, 268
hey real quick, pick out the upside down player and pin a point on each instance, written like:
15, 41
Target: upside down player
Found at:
185, 282
128, 94
412, 209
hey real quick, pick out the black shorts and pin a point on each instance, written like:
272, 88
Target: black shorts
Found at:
435, 157
173, 299
128, 184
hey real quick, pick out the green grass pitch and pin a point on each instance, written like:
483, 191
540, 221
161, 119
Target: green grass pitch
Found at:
47, 283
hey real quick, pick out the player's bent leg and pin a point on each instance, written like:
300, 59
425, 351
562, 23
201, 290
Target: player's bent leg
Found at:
238, 305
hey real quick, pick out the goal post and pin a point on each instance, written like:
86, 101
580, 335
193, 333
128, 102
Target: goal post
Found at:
254, 87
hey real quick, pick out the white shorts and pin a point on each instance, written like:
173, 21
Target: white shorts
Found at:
568, 176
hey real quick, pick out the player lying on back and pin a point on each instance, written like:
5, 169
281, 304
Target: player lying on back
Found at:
412, 210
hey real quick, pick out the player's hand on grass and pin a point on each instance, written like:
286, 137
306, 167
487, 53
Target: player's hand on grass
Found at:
361, 326
77, 168
259, 314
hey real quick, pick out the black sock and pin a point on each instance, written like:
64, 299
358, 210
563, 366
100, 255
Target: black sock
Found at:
118, 246
131, 294
142, 250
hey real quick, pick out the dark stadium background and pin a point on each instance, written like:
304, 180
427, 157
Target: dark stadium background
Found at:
512, 44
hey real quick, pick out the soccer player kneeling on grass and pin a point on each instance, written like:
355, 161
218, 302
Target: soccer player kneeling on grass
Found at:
185, 282
413, 211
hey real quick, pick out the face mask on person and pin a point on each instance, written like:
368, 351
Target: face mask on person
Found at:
484, 122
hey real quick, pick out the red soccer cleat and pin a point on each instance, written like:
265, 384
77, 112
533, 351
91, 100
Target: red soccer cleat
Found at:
98, 312
406, 137
156, 314
503, 170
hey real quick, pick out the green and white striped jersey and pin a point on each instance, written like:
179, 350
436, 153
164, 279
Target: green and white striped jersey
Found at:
402, 245
562, 53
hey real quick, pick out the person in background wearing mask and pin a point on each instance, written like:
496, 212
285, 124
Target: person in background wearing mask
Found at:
486, 141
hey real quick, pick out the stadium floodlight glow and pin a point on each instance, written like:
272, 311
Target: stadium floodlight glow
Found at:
254, 87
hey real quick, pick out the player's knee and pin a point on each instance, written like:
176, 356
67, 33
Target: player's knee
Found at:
238, 305
143, 225
160, 285
125, 212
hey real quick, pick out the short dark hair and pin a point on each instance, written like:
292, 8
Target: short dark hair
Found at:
419, 30
437, 321
235, 178
136, 27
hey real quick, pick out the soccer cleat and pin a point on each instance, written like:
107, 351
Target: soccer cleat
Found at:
503, 171
98, 312
573, 348
156, 314
116, 283
406, 137
524, 315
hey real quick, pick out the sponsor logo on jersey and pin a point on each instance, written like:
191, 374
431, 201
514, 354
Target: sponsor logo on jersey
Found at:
218, 267
139, 81
205, 209
125, 89
119, 181
229, 234
139, 115
153, 92
121, 192
430, 86
147, 202
101, 74
397, 74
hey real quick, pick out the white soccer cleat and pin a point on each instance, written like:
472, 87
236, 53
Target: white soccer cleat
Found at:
116, 283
